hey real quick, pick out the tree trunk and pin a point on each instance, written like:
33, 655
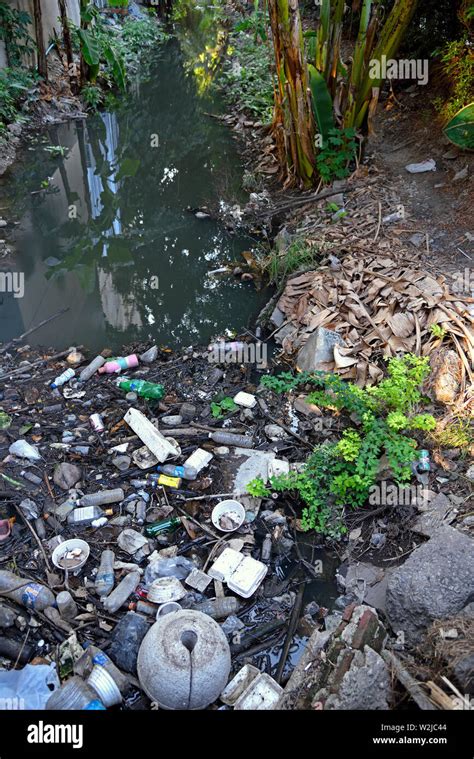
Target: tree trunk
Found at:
66, 32
42, 63
293, 125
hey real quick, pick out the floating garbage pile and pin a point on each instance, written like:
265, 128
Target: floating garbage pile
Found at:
134, 568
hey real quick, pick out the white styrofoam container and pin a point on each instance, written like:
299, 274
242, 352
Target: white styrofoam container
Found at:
262, 693
199, 459
149, 435
235, 687
245, 399
247, 576
227, 563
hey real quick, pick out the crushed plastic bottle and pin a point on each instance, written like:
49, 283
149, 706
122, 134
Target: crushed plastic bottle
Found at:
87, 515
218, 608
142, 388
92, 368
25, 592
105, 579
102, 497
126, 640
123, 590
63, 378
228, 438
74, 694
183, 472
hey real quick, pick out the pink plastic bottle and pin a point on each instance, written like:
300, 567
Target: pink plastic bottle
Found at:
114, 367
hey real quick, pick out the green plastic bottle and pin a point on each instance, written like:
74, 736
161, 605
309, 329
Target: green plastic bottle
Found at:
142, 388
164, 526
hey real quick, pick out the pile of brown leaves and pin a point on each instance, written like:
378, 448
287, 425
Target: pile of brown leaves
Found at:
380, 307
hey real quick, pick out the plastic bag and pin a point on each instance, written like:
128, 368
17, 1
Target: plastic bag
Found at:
28, 688
24, 450
178, 567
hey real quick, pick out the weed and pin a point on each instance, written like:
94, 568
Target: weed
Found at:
334, 157
340, 474
224, 406
280, 264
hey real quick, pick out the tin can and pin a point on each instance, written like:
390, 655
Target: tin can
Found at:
97, 423
424, 461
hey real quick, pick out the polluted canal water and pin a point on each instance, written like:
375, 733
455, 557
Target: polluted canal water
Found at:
110, 225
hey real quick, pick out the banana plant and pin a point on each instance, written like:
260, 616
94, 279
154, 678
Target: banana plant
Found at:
293, 123
95, 50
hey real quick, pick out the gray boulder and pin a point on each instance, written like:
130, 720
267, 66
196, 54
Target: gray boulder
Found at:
436, 582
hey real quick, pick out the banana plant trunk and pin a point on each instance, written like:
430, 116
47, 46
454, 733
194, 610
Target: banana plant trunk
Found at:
293, 124
66, 32
38, 17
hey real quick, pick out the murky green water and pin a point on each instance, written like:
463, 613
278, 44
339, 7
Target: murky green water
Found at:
110, 237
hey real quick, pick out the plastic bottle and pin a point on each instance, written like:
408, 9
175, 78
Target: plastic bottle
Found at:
123, 590
162, 479
142, 388
87, 515
102, 497
105, 579
166, 525
267, 548
63, 378
113, 367
184, 472
107, 681
27, 593
228, 438
91, 369
218, 608
31, 477
74, 694
126, 639
66, 605
423, 464
230, 347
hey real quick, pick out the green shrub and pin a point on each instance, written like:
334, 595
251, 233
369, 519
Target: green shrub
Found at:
339, 475
246, 78
457, 61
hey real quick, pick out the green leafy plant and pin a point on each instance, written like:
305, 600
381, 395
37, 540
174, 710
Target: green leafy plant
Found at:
340, 474
93, 96
437, 330
56, 150
457, 62
281, 263
222, 407
334, 157
246, 77
255, 23
14, 25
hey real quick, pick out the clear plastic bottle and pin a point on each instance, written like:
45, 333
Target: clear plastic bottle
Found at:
74, 694
91, 369
105, 580
183, 472
228, 438
102, 497
63, 378
67, 606
25, 592
87, 514
123, 590
219, 608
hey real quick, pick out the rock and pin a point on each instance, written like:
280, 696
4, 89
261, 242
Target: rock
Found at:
464, 671
461, 174
436, 582
318, 350
365, 684
470, 472
255, 465
172, 421
66, 475
275, 432
278, 317
433, 515
368, 583
418, 239
468, 521
286, 331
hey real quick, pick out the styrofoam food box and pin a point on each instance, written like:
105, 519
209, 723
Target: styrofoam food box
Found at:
235, 687
247, 577
227, 563
262, 693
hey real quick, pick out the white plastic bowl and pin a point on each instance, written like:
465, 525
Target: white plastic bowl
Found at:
65, 547
232, 508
